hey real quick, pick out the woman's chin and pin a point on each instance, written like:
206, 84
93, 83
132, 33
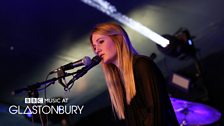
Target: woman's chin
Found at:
105, 61
108, 60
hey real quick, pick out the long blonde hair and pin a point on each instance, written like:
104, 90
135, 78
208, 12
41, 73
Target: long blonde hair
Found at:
113, 75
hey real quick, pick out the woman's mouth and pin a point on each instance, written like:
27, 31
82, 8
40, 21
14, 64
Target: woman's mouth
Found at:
101, 55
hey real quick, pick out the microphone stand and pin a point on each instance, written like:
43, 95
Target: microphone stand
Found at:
32, 90
39, 84
79, 73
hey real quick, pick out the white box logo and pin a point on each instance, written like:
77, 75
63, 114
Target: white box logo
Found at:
34, 100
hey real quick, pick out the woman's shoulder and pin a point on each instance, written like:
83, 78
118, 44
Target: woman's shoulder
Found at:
142, 62
145, 63
142, 59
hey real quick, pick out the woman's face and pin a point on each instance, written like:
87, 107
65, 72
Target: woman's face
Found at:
104, 47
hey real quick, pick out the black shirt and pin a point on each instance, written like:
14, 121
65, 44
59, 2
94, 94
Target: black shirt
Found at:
151, 105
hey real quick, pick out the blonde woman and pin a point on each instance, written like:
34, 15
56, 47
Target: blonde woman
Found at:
136, 86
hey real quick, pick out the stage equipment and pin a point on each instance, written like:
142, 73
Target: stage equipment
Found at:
84, 61
181, 44
181, 82
192, 113
76, 75
33, 90
182, 47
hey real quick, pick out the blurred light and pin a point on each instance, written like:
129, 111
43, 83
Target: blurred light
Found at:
180, 81
190, 42
11, 48
111, 11
29, 114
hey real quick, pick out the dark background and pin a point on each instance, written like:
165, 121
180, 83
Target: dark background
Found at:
39, 36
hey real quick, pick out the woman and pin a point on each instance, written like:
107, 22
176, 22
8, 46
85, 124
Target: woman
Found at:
136, 86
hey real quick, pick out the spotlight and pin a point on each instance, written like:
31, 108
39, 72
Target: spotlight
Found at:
181, 44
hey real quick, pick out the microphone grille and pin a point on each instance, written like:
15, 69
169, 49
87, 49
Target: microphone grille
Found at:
86, 61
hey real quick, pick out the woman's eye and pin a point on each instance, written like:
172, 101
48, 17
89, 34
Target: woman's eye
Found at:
101, 41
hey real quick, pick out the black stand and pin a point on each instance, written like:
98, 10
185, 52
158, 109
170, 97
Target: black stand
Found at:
79, 73
36, 86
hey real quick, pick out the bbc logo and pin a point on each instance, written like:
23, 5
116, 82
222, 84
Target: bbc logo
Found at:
34, 100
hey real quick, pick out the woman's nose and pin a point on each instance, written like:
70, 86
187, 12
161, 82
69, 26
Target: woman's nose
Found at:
98, 50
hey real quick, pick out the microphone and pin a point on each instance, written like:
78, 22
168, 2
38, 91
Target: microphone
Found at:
95, 60
84, 61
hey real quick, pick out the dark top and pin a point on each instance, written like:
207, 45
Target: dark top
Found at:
151, 106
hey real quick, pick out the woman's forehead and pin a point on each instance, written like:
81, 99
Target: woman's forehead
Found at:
97, 37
